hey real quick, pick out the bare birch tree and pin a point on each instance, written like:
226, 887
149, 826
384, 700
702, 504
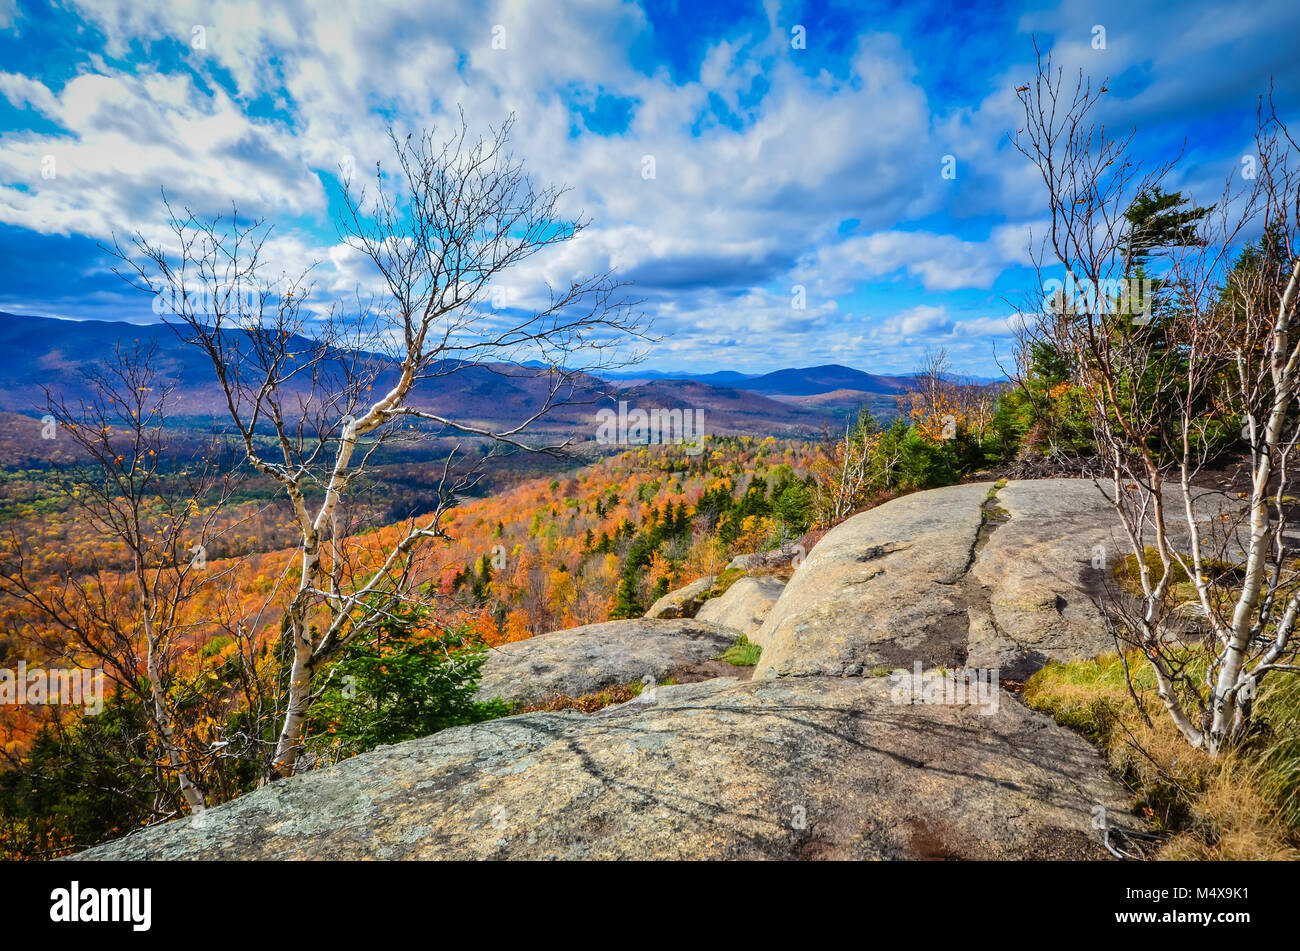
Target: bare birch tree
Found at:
313, 396
1165, 380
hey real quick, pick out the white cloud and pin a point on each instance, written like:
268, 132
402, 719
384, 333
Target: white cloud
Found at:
735, 208
986, 327
941, 262
733, 217
921, 319
131, 136
22, 92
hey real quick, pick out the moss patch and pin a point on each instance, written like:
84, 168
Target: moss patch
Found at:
725, 581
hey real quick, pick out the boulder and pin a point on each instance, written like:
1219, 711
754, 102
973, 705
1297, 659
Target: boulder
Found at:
1037, 572
806, 768
881, 589
744, 562
683, 602
595, 657
745, 605
779, 559
979, 576
1044, 574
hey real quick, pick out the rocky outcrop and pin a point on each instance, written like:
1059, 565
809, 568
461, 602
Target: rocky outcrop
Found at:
594, 657
981, 576
683, 602
820, 756
880, 590
1044, 570
745, 605
807, 768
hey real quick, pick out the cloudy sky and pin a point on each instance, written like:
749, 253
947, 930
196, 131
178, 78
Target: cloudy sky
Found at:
774, 166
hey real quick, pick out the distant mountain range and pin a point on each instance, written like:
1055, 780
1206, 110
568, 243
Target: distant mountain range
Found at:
795, 381
803, 381
44, 351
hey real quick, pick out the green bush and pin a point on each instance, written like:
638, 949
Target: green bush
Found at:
400, 683
923, 465
794, 508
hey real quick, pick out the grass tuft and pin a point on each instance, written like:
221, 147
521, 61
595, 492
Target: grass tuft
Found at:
742, 653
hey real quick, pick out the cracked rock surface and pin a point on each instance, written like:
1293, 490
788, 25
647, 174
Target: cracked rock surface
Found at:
1038, 570
799, 768
819, 756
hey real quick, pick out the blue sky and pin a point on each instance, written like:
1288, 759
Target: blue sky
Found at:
775, 167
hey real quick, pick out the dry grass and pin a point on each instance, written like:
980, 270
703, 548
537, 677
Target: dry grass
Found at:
1239, 805
1236, 823
587, 703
